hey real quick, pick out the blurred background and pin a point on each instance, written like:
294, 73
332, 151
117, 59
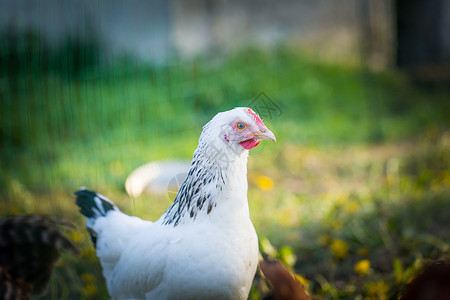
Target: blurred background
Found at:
354, 197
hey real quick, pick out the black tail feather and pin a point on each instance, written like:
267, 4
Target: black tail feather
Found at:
92, 204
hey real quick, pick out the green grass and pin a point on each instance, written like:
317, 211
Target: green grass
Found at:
361, 158
386, 203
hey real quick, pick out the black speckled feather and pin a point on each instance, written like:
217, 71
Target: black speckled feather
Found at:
195, 192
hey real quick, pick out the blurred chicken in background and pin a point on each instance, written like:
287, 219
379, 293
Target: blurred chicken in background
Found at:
432, 283
29, 248
284, 285
157, 178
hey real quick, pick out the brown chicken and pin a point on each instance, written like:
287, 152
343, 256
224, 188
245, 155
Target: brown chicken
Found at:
284, 285
432, 283
29, 248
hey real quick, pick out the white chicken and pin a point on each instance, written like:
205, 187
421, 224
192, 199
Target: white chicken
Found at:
204, 246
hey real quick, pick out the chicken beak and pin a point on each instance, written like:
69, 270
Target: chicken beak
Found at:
267, 135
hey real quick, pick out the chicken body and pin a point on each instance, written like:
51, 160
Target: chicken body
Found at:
205, 245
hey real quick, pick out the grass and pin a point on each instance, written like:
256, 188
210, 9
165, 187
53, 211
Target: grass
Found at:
386, 204
359, 173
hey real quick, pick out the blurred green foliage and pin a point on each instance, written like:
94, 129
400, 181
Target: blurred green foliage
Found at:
360, 171
26, 52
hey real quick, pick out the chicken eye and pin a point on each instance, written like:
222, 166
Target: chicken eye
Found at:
240, 126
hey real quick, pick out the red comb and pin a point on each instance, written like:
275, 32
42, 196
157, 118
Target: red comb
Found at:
256, 117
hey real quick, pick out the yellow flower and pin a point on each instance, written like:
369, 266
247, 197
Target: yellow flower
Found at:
89, 254
76, 236
339, 248
446, 178
89, 284
362, 267
352, 207
90, 289
378, 290
87, 277
305, 282
264, 182
341, 199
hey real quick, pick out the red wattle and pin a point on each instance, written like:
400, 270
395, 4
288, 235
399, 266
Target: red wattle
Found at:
249, 144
